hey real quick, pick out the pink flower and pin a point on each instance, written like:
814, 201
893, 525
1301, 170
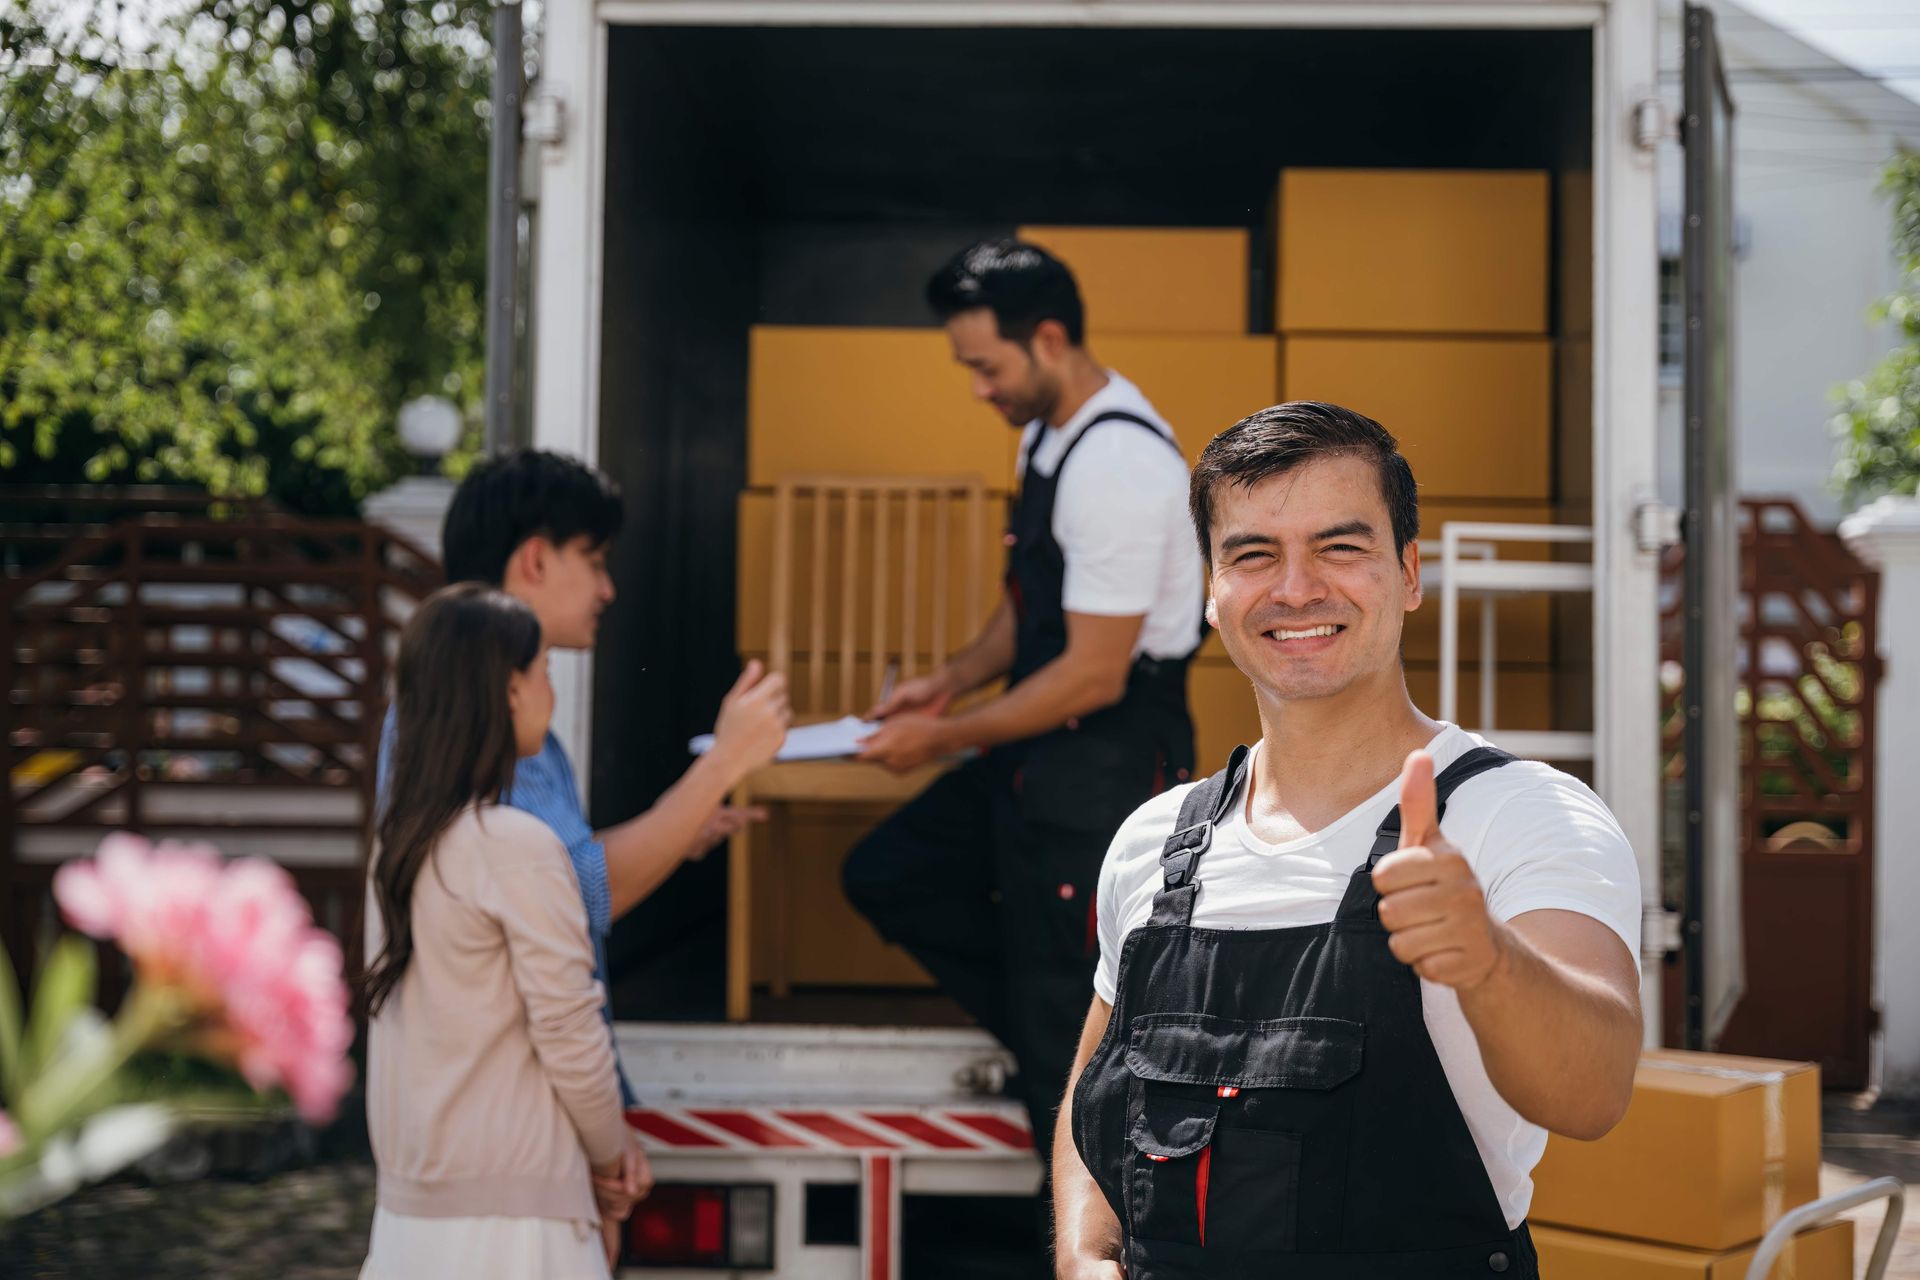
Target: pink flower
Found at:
9, 1136
240, 940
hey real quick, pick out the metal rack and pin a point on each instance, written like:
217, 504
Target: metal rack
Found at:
1468, 563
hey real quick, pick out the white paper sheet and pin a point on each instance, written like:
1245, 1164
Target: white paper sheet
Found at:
829, 741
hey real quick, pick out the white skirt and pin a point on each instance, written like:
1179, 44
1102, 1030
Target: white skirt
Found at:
410, 1248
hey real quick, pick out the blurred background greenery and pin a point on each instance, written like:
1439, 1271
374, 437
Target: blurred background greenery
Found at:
235, 236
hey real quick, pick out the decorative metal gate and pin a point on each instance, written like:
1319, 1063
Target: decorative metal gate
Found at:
1807, 666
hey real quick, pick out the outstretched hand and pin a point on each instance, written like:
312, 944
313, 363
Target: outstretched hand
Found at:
1430, 901
753, 718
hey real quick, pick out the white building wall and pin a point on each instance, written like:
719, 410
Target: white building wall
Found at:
1810, 142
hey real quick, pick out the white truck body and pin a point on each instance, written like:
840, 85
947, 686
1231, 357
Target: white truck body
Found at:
689, 1074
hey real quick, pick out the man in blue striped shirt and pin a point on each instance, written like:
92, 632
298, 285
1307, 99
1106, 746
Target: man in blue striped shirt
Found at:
538, 525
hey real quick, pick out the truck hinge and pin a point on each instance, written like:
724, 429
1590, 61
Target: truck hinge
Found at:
1652, 125
546, 120
1656, 526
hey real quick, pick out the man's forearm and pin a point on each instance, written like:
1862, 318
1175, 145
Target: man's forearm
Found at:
1086, 1233
986, 657
643, 851
1085, 1230
1056, 693
1559, 1044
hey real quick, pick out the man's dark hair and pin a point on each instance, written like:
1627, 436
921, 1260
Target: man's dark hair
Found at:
1021, 283
524, 494
1274, 441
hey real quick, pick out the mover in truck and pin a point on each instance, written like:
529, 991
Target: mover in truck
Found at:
987, 877
1442, 213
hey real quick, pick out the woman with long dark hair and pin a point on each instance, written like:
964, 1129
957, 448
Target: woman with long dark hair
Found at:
491, 1093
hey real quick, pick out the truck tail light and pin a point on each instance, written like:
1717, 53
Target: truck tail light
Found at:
717, 1225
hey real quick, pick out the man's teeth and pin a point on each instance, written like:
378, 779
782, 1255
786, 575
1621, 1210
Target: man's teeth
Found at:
1306, 634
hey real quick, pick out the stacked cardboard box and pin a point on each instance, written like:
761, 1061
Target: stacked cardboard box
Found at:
1420, 298
1712, 1151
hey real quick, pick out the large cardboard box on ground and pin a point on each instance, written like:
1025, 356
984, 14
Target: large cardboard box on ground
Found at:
1824, 1253
1154, 279
1412, 251
1712, 1151
1474, 416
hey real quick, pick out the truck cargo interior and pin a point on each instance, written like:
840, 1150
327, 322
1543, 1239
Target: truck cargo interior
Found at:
763, 181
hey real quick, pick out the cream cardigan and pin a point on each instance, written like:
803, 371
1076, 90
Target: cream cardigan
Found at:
490, 1080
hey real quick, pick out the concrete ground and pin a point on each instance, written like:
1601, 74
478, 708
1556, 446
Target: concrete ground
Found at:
1879, 1141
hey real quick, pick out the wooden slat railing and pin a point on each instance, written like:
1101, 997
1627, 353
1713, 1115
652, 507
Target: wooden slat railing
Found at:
174, 672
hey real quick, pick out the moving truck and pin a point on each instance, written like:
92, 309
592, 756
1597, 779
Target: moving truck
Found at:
1442, 212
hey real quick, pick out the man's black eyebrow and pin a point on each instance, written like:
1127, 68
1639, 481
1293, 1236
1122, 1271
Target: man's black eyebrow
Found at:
1235, 541
1349, 529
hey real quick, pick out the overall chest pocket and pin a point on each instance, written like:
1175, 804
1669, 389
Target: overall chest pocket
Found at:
1223, 1117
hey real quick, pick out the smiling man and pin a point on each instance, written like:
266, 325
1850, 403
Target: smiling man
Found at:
1331, 1032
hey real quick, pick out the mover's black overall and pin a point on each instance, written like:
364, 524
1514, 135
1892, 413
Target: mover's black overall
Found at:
1028, 824
1268, 1102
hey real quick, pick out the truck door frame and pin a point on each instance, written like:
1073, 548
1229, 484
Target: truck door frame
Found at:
568, 281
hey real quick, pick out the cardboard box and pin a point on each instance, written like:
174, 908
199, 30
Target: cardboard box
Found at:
867, 402
1225, 715
1154, 279
1412, 251
1201, 386
1474, 416
892, 401
1824, 1253
1712, 1151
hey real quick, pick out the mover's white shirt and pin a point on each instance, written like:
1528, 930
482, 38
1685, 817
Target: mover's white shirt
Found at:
1537, 839
1120, 517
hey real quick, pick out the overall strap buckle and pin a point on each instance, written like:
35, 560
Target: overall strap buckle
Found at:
1200, 812
1182, 852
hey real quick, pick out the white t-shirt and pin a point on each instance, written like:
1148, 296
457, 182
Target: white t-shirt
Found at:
1536, 838
1120, 517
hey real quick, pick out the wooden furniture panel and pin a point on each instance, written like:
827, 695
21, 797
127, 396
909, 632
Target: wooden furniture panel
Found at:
807, 933
843, 598
969, 533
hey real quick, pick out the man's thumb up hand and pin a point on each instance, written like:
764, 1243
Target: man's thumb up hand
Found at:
1419, 812
1430, 902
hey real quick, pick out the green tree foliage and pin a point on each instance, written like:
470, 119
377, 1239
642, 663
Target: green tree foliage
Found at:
1878, 419
233, 244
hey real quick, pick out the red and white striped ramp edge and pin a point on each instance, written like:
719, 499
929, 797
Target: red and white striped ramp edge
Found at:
950, 1132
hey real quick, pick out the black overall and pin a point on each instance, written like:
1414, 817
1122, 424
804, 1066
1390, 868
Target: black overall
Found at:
987, 878
1268, 1102
1096, 770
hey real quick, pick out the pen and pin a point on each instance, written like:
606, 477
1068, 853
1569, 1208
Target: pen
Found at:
886, 682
